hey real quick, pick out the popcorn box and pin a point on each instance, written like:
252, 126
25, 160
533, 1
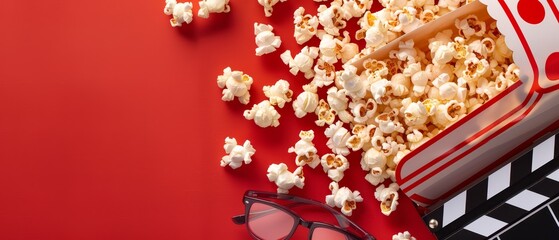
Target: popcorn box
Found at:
501, 128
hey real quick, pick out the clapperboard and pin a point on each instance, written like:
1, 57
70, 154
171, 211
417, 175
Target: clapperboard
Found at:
518, 201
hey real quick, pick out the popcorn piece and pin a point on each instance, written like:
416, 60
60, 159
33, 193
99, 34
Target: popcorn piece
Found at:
343, 198
268, 6
470, 26
353, 84
388, 196
325, 73
334, 166
169, 6
264, 114
212, 6
306, 102
329, 49
374, 161
363, 111
388, 122
235, 84
182, 12
338, 101
416, 115
306, 26
333, 18
337, 138
357, 7
449, 113
279, 93
237, 153
265, 39
361, 137
285, 179
303, 61
305, 150
403, 236
450, 4
325, 114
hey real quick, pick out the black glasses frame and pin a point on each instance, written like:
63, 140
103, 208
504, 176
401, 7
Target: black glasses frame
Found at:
250, 197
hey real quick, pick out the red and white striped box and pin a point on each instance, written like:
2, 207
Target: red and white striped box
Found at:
507, 124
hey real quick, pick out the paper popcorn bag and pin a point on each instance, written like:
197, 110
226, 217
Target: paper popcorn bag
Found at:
503, 126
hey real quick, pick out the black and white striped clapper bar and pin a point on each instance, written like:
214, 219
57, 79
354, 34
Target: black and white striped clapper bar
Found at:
518, 201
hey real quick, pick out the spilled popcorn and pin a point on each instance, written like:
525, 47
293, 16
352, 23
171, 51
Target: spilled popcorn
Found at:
343, 198
263, 114
235, 84
388, 197
381, 108
305, 150
284, 179
212, 6
403, 236
265, 39
181, 12
237, 154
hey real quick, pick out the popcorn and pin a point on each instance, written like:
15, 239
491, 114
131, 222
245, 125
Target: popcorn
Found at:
403, 236
448, 113
354, 85
305, 150
265, 39
416, 115
329, 49
268, 6
303, 61
361, 138
279, 93
357, 7
306, 26
306, 102
343, 198
406, 20
333, 18
325, 114
237, 153
450, 4
169, 6
374, 161
363, 111
182, 12
470, 26
325, 73
285, 179
212, 6
334, 166
263, 114
338, 101
381, 91
415, 139
235, 84
337, 138
388, 122
388, 196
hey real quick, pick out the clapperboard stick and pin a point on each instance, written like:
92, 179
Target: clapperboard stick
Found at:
501, 199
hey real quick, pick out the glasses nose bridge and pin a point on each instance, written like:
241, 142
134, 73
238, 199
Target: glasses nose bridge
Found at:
306, 224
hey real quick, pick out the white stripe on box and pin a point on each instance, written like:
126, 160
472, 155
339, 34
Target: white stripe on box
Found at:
554, 176
543, 153
485, 225
498, 181
553, 215
454, 208
527, 200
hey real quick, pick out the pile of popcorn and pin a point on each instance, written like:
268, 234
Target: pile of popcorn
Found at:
384, 108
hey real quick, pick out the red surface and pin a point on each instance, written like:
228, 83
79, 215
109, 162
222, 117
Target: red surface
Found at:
112, 124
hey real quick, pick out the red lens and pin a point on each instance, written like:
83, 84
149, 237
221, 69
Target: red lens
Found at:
269, 223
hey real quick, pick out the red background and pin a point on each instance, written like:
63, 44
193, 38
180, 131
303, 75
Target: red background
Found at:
112, 124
